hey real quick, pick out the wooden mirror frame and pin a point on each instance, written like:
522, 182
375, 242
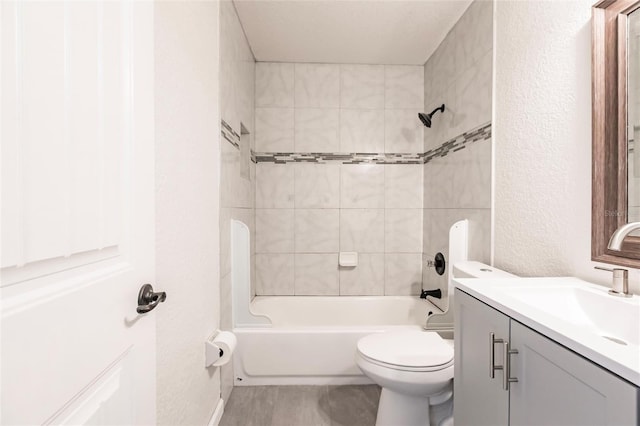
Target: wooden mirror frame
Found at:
609, 131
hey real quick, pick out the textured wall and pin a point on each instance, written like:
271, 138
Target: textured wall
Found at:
187, 164
308, 212
458, 185
543, 139
237, 186
542, 136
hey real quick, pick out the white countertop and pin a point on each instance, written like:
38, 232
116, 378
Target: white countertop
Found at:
530, 301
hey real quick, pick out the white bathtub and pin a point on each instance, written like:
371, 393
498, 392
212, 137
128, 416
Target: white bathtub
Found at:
312, 339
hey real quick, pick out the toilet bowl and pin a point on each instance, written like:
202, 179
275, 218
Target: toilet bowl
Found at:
414, 369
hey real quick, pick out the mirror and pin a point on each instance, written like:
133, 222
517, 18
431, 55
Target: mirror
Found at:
615, 128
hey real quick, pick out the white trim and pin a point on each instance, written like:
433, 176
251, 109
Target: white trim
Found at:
303, 381
217, 414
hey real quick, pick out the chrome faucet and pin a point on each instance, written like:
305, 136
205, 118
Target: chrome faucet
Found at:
616, 240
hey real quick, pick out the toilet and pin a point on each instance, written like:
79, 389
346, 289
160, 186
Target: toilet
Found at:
414, 367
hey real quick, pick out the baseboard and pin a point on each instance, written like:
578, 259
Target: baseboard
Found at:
304, 380
217, 414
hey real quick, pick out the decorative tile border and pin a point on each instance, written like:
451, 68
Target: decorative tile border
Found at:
351, 158
458, 143
229, 134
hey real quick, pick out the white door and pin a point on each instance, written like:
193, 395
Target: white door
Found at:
77, 212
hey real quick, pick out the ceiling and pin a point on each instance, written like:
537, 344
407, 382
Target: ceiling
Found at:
347, 31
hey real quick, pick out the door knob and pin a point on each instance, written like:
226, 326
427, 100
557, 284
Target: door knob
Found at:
148, 299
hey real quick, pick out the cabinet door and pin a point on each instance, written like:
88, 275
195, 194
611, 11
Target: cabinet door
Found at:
478, 399
558, 387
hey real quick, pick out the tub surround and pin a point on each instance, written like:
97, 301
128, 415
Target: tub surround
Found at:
458, 186
340, 151
312, 117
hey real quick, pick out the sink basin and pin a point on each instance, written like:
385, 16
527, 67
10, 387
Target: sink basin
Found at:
614, 318
582, 316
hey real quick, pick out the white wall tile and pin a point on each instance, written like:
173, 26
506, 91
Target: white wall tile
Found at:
274, 130
317, 130
429, 98
403, 186
274, 185
445, 125
246, 100
404, 86
317, 275
274, 230
444, 63
473, 95
225, 241
472, 180
474, 35
361, 186
403, 230
274, 84
362, 230
274, 274
403, 274
317, 230
229, 174
403, 131
426, 231
317, 185
317, 85
365, 279
361, 130
362, 86
438, 183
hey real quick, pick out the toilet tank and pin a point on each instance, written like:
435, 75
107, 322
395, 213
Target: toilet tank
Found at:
473, 269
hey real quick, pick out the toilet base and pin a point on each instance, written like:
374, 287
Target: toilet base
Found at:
396, 409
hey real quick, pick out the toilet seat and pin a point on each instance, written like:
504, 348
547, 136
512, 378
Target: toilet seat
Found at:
419, 351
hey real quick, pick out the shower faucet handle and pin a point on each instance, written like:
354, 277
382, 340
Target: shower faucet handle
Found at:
438, 263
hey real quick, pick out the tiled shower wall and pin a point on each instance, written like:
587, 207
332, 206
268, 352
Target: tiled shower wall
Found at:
237, 180
311, 207
458, 186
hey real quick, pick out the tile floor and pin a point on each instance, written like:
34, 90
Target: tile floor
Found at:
302, 406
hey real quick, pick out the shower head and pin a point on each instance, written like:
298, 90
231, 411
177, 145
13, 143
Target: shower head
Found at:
426, 118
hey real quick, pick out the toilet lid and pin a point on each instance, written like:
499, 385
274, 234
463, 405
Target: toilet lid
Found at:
413, 349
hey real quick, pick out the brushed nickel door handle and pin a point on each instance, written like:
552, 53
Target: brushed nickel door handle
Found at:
507, 379
492, 355
148, 299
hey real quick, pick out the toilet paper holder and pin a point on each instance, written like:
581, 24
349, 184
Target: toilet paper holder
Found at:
219, 348
212, 352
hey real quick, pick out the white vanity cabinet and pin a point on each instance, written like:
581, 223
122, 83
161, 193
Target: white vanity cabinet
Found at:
554, 386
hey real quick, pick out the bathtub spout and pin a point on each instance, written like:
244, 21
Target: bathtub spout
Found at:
433, 293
